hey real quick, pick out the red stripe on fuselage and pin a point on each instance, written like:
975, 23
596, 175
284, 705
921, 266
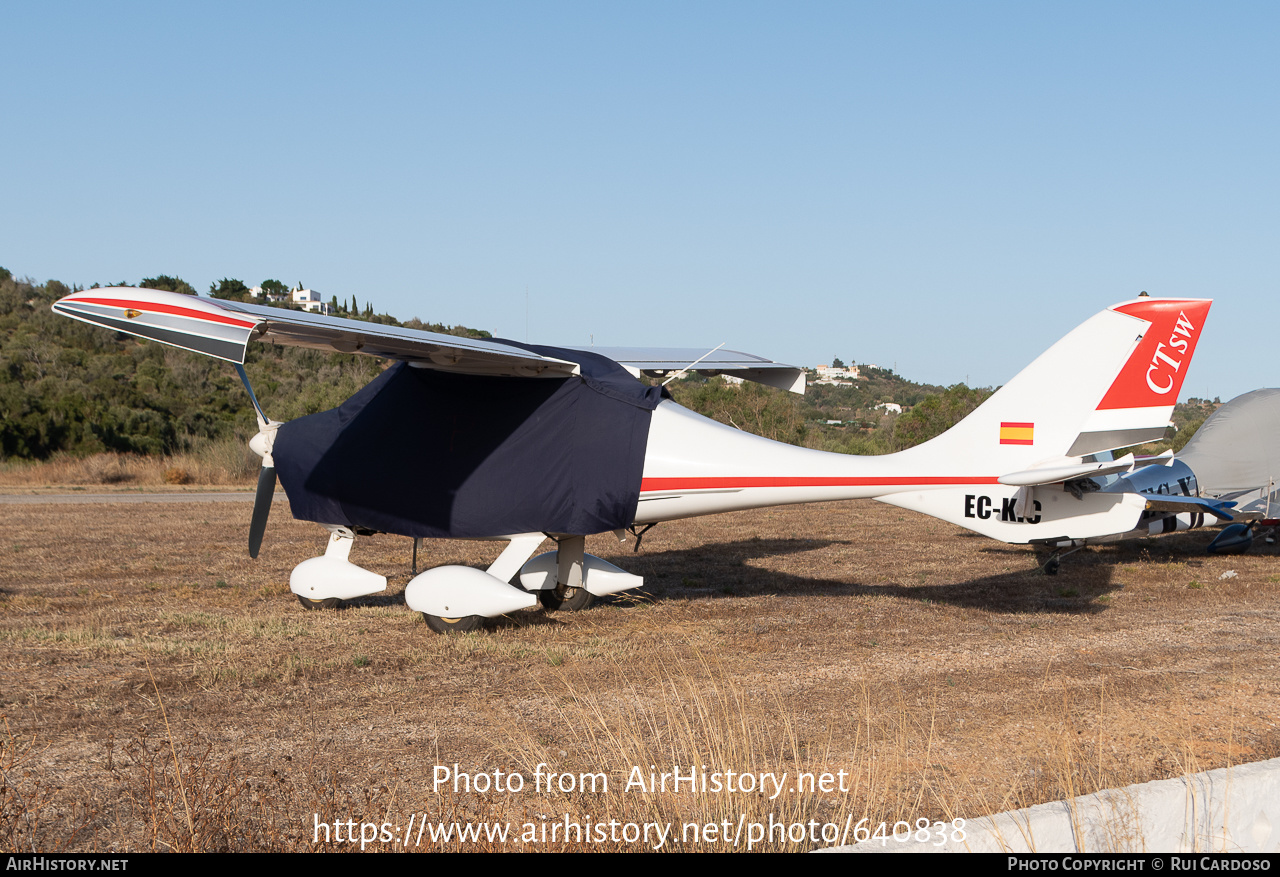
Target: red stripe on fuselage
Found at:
146, 306
652, 484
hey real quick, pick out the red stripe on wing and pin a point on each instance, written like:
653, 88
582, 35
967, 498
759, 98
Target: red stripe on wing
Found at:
152, 307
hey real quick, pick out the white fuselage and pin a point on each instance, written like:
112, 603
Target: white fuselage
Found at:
696, 466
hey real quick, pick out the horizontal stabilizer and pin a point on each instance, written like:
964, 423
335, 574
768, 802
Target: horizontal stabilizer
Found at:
1056, 474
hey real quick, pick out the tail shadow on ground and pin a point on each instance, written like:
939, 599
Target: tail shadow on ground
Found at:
725, 570
1022, 585
1190, 548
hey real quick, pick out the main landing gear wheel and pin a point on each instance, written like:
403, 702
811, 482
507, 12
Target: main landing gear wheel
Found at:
313, 605
1052, 566
567, 599
453, 625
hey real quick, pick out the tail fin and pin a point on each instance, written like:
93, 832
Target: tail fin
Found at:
1110, 383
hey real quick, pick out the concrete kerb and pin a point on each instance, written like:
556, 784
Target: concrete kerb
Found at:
1230, 810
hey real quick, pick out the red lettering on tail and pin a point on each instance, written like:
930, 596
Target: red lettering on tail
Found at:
1154, 373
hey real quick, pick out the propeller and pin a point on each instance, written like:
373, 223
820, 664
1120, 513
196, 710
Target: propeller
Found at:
261, 444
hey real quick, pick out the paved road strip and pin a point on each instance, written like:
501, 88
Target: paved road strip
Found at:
81, 498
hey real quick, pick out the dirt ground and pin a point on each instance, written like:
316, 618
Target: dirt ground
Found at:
163, 691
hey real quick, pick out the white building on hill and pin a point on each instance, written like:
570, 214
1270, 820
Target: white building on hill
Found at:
310, 301
844, 376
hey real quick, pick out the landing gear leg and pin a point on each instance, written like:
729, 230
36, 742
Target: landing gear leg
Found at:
1053, 564
568, 594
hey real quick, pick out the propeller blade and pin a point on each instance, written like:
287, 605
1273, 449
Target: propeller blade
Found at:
261, 508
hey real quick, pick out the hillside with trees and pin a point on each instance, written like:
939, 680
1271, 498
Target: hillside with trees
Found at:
859, 427
71, 388
80, 389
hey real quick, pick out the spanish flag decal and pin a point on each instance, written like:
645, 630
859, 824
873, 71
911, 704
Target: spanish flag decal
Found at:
1017, 433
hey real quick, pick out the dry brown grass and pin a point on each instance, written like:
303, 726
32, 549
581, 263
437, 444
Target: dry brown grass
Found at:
942, 672
226, 463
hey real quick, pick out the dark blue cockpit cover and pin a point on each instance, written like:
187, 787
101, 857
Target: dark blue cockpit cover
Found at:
420, 452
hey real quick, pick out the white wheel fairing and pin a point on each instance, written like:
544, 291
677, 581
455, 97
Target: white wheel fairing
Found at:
460, 591
599, 577
323, 578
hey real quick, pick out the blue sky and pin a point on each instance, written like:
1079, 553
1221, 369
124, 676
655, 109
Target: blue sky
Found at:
945, 187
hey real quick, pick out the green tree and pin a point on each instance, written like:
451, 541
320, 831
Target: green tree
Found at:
936, 414
230, 288
274, 287
167, 283
765, 411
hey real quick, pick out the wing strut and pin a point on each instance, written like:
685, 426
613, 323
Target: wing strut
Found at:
684, 371
244, 379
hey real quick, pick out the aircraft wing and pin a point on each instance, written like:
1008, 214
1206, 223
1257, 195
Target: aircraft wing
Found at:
431, 349
659, 362
223, 329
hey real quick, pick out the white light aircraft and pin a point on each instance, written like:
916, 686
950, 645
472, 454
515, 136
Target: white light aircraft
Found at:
1234, 455
1231, 463
494, 439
